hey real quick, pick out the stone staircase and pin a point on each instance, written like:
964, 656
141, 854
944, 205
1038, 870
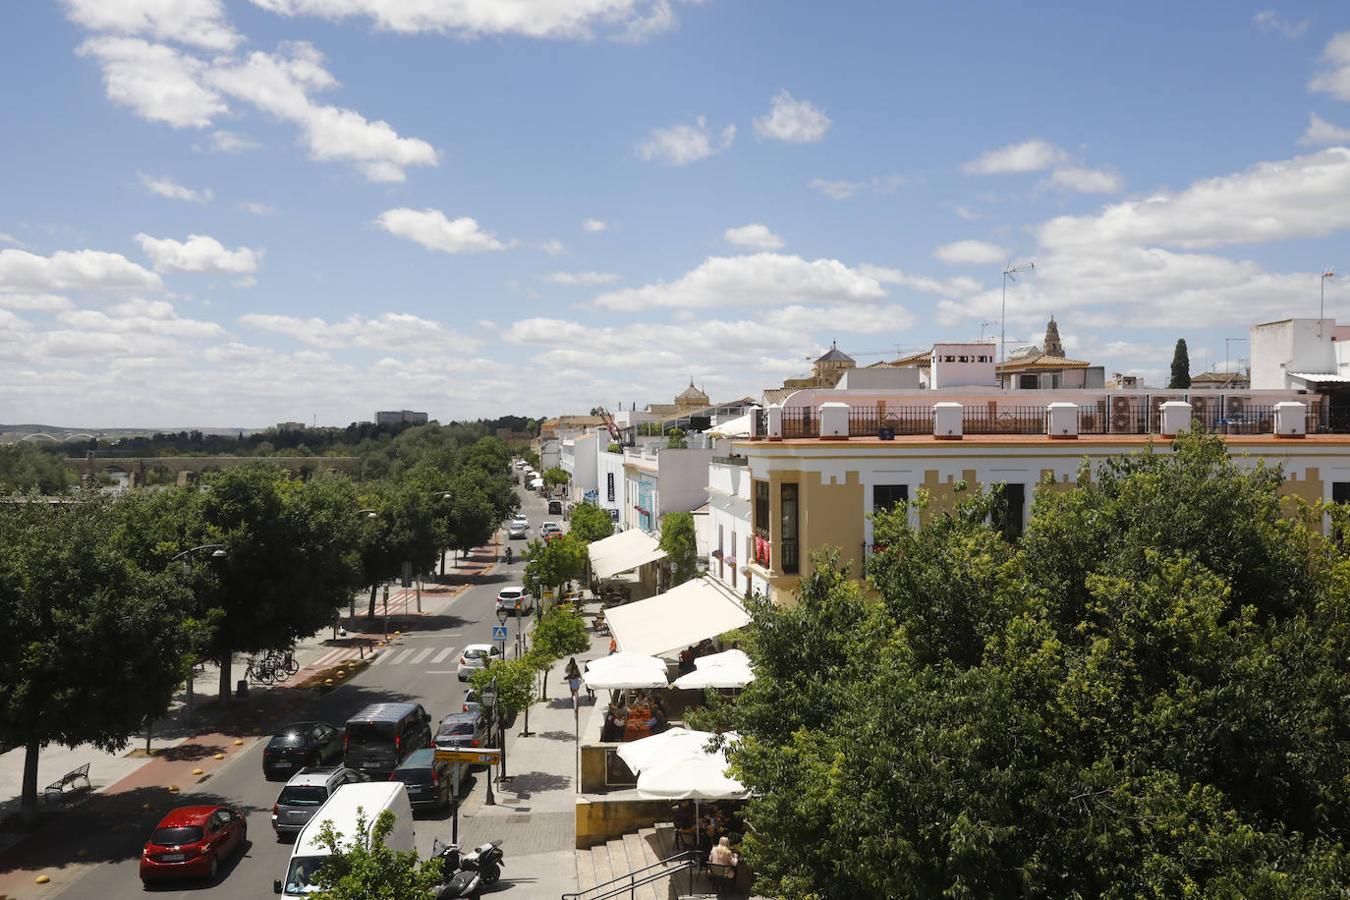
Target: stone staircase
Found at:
646, 847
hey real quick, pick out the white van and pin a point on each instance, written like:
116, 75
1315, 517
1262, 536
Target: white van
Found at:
341, 809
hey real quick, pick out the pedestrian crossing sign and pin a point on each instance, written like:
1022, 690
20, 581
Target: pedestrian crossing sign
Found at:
499, 632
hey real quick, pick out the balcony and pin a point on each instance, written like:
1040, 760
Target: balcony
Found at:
762, 549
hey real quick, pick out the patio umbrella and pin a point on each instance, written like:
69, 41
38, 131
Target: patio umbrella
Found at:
729, 669
669, 746
625, 671
692, 778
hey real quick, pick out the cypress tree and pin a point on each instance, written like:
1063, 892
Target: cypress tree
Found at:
1181, 367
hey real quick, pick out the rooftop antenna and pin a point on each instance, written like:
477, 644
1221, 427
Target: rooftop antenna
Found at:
1010, 271
1329, 272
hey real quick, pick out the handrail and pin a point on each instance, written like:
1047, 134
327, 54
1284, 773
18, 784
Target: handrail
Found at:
688, 860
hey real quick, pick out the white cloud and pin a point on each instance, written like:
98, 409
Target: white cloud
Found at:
155, 81
139, 317
10, 239
231, 142
166, 187
199, 253
830, 319
1035, 155
977, 253
197, 22
553, 247
79, 270
759, 279
570, 279
258, 209
1086, 181
952, 287
840, 189
680, 145
575, 19
965, 212
792, 120
1334, 78
756, 237
388, 331
1321, 132
1271, 23
34, 302
431, 229
593, 226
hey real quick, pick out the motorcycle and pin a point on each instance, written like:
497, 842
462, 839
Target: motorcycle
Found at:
484, 862
508, 556
454, 884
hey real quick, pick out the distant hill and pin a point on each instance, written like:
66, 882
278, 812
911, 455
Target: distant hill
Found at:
10, 434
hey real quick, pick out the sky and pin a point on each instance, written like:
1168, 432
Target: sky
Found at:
239, 212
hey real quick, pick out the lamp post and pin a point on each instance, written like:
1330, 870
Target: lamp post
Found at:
491, 800
370, 513
1009, 271
217, 552
1322, 301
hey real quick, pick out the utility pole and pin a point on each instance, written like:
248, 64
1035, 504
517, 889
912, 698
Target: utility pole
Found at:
1322, 301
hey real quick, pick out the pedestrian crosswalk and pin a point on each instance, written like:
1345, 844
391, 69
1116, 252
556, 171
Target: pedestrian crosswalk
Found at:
390, 656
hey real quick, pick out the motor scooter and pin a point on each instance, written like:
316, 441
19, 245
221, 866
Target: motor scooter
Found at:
455, 882
485, 859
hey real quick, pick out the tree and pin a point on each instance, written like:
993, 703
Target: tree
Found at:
363, 866
551, 564
561, 632
675, 439
1145, 697
591, 523
25, 468
515, 691
556, 476
531, 458
91, 645
681, 545
1181, 367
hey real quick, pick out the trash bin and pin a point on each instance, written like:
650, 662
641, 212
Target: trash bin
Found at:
241, 688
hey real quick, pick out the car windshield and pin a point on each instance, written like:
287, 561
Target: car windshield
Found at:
369, 733
511, 595
474, 653
289, 739
303, 795
413, 776
172, 837
300, 876
451, 729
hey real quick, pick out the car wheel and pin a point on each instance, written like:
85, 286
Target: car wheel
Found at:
213, 871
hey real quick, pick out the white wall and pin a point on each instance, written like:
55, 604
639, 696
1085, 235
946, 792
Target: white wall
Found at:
584, 467
609, 465
954, 373
1294, 345
729, 511
684, 479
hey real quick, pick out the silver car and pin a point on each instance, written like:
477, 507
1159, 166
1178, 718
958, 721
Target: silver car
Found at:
308, 790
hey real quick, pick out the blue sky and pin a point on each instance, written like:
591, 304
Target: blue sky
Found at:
236, 212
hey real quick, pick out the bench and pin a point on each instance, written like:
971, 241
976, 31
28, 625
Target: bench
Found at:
69, 782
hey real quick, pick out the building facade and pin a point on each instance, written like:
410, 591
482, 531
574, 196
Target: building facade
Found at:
400, 417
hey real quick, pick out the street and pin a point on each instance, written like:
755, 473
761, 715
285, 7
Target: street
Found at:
419, 666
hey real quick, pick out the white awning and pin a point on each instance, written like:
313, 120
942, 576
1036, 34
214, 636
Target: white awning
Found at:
729, 669
676, 619
1321, 377
623, 552
732, 428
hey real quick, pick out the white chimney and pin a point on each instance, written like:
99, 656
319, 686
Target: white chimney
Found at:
947, 421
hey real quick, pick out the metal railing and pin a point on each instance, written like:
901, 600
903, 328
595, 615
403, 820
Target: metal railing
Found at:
1004, 420
628, 884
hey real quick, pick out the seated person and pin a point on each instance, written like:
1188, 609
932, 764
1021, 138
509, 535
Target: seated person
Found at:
687, 660
723, 855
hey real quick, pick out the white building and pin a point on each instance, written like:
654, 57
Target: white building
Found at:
578, 458
660, 480
962, 365
731, 539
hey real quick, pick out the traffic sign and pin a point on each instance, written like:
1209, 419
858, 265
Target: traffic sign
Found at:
499, 632
478, 756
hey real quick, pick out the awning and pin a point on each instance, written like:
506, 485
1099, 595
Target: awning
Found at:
625, 671
676, 619
732, 428
729, 669
623, 552
1321, 377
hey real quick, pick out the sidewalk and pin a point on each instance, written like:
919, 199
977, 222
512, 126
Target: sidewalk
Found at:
181, 745
535, 815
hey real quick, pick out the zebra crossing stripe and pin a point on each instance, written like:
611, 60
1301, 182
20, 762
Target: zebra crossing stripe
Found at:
442, 655
401, 657
381, 657
423, 655
325, 659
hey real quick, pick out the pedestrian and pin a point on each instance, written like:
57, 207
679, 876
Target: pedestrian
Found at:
613, 645
573, 670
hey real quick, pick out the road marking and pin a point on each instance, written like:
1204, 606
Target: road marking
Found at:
442, 655
322, 660
442, 672
401, 657
381, 657
422, 656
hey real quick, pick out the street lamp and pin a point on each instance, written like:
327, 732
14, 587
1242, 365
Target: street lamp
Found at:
1322, 303
217, 552
1010, 271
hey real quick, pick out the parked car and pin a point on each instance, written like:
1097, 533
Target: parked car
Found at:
192, 841
551, 528
514, 600
377, 738
345, 809
308, 790
301, 744
462, 731
430, 783
472, 702
475, 657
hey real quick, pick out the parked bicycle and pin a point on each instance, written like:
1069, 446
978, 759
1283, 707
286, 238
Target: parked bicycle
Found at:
260, 670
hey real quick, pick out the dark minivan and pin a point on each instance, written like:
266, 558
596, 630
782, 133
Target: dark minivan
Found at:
430, 782
381, 736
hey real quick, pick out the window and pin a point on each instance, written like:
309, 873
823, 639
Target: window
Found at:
787, 498
1008, 511
721, 554
1340, 493
762, 507
886, 497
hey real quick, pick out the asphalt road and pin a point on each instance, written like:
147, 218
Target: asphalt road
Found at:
398, 676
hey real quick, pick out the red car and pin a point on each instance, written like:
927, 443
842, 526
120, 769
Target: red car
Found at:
192, 841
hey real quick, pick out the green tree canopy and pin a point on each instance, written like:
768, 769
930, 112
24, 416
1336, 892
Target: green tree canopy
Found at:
560, 633
675, 439
1181, 367
591, 523
550, 564
681, 545
24, 468
91, 645
555, 476
363, 866
1146, 697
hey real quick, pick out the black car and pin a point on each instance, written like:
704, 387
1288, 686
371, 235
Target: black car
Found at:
301, 744
429, 782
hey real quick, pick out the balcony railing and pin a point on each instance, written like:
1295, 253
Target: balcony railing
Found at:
762, 548
1141, 414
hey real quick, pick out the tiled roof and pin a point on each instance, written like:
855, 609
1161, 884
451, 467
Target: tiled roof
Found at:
1041, 361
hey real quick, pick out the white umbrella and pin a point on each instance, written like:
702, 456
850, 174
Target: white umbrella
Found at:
668, 746
729, 669
625, 671
693, 778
